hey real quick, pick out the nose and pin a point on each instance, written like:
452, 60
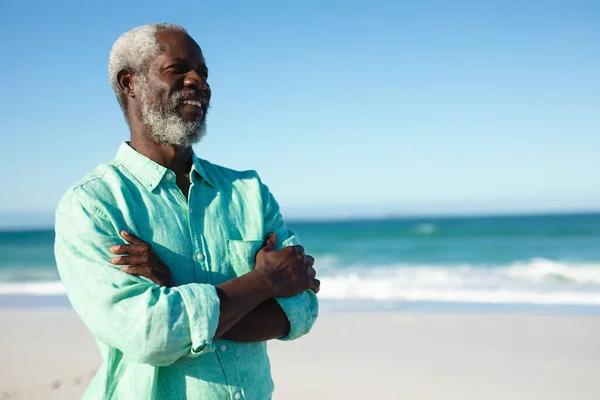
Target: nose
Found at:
196, 81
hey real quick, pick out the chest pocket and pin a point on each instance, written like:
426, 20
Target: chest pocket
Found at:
241, 254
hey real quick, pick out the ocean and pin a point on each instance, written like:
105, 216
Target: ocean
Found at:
544, 262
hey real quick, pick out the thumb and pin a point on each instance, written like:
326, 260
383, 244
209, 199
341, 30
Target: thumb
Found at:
270, 242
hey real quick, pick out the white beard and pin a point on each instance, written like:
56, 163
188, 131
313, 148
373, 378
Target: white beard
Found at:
166, 125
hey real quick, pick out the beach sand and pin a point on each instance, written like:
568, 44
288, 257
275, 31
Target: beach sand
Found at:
48, 354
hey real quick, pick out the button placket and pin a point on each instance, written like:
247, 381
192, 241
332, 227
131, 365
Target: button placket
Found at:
200, 252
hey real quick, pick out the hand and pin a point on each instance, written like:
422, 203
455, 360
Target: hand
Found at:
139, 259
289, 269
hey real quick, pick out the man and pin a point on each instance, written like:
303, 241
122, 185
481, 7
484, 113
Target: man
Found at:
181, 308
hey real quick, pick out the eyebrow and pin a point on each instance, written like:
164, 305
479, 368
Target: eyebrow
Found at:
184, 61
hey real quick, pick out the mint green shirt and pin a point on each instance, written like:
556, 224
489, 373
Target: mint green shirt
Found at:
155, 342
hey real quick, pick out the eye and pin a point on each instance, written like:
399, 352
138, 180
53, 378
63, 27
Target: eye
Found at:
178, 68
203, 73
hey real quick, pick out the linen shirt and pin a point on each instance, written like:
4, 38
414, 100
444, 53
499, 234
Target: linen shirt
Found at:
157, 342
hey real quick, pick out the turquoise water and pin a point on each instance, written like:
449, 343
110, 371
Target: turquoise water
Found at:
526, 260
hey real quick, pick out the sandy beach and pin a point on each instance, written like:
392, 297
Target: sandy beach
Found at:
49, 354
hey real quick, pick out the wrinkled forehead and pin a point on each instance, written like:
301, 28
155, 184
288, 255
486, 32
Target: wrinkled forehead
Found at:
179, 45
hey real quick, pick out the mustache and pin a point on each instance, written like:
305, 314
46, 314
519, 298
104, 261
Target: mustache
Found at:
186, 94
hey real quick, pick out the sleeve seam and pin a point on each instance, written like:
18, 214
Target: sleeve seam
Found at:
87, 203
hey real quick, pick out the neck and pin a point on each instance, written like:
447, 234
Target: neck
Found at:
176, 159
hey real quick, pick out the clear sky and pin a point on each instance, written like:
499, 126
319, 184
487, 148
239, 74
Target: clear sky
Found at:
344, 108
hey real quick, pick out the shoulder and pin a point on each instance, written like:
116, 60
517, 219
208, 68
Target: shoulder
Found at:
223, 176
247, 184
221, 172
93, 186
82, 208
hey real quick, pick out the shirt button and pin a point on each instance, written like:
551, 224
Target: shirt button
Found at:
198, 256
169, 176
190, 210
224, 348
238, 396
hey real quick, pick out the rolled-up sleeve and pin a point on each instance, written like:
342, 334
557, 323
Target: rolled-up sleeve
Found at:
301, 310
147, 323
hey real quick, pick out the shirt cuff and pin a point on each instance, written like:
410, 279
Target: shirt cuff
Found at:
301, 310
297, 310
202, 305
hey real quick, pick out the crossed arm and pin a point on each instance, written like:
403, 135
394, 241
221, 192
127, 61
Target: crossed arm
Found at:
265, 322
158, 325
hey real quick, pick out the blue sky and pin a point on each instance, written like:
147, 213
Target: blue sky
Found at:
345, 108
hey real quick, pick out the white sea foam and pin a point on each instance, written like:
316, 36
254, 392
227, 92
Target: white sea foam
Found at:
425, 229
538, 281
32, 288
542, 270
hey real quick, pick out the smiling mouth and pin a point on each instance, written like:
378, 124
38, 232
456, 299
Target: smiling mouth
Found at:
193, 103
197, 106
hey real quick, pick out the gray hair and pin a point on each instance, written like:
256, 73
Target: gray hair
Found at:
133, 51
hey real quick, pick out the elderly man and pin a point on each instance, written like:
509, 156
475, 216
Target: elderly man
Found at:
181, 269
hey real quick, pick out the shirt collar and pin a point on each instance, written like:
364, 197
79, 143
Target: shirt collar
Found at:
148, 172
199, 168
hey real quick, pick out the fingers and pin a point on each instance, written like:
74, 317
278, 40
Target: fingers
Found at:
131, 238
136, 270
129, 249
129, 260
270, 241
315, 285
298, 249
309, 261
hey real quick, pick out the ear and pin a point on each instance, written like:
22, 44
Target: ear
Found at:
125, 81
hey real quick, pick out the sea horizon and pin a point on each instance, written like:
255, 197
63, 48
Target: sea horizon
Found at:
45, 220
544, 262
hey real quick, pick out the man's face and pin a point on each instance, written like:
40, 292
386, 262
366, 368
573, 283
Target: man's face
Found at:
174, 93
